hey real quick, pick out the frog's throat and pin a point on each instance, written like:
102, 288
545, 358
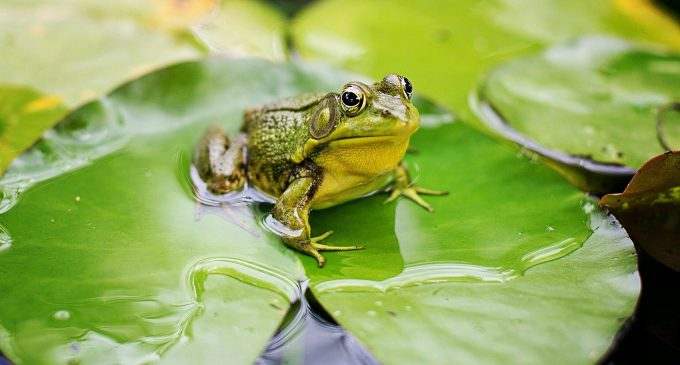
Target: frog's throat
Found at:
311, 145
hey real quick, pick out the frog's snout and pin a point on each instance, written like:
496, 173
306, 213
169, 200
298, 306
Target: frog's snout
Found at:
402, 116
405, 117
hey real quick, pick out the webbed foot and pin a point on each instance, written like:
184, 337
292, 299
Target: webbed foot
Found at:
404, 187
315, 246
412, 192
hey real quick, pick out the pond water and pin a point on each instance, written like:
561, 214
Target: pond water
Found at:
310, 336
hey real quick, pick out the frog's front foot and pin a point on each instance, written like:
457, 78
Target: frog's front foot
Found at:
412, 192
403, 187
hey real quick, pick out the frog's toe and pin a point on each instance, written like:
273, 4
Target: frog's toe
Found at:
426, 191
322, 247
320, 260
314, 248
321, 237
394, 194
314, 241
412, 194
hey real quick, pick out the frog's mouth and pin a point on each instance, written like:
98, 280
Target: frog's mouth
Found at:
367, 139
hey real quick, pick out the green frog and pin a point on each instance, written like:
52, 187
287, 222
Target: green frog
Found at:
316, 151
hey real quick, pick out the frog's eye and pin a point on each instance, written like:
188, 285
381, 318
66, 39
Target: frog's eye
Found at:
353, 99
408, 88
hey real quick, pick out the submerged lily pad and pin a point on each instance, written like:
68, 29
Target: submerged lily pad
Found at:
107, 256
594, 99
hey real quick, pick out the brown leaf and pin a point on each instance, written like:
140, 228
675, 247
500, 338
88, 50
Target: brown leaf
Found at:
649, 208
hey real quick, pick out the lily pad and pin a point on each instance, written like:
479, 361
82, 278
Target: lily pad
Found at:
107, 256
594, 100
243, 28
503, 255
448, 46
79, 50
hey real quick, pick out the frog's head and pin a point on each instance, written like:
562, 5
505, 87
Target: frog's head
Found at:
359, 110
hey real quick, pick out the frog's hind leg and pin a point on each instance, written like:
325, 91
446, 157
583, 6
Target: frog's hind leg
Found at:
221, 162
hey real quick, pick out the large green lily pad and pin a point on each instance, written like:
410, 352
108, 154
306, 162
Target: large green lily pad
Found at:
595, 98
77, 50
447, 46
106, 256
567, 311
471, 289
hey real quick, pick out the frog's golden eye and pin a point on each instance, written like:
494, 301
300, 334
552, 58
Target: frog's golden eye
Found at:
407, 87
353, 99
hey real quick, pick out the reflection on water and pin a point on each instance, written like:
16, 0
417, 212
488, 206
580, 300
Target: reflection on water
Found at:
310, 337
247, 272
235, 207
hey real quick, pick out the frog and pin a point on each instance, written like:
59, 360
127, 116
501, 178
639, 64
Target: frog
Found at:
315, 151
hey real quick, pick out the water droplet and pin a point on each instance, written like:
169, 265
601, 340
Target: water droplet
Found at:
77, 199
549, 228
407, 307
62, 315
337, 313
588, 207
371, 313
378, 303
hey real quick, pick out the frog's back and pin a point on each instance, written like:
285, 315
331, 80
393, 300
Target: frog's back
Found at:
293, 103
274, 132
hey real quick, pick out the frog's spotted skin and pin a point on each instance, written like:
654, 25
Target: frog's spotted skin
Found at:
318, 150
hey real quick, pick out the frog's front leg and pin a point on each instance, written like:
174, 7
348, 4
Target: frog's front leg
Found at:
292, 210
403, 186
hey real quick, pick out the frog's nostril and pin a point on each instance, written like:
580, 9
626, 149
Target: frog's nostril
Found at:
386, 113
